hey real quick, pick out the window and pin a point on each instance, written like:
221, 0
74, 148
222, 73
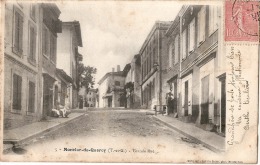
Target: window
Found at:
18, 33
53, 49
31, 104
213, 19
154, 56
192, 35
176, 50
45, 42
89, 99
201, 25
117, 83
32, 43
184, 45
33, 11
151, 60
170, 54
17, 92
142, 70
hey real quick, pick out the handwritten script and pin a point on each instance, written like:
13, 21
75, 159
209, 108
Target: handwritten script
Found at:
238, 97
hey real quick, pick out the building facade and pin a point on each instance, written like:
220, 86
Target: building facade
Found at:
132, 83
29, 60
111, 89
62, 84
171, 78
68, 56
91, 98
153, 53
197, 78
87, 98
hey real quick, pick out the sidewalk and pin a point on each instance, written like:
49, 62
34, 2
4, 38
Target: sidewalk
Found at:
27, 132
210, 140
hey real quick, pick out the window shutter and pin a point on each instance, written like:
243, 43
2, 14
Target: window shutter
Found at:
16, 32
34, 45
20, 49
192, 35
203, 23
170, 55
31, 43
19, 88
184, 46
43, 41
176, 44
15, 90
216, 17
31, 96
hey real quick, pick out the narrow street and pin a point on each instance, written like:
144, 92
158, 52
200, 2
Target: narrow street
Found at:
111, 131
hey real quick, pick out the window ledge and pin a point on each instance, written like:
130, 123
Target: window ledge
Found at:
54, 63
214, 31
30, 113
15, 111
32, 62
44, 55
190, 52
19, 54
201, 42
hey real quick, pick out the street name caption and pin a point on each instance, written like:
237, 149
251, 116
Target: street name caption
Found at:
106, 150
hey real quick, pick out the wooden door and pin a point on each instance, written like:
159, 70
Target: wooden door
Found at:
204, 100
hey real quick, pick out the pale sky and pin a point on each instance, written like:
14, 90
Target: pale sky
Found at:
112, 31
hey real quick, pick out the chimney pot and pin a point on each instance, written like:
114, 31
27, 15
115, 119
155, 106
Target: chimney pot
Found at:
118, 68
113, 69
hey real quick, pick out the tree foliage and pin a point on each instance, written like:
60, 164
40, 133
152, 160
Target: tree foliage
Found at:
85, 74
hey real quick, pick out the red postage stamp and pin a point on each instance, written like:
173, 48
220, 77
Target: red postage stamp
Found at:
242, 20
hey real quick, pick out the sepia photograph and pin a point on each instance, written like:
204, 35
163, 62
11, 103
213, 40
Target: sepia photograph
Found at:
130, 81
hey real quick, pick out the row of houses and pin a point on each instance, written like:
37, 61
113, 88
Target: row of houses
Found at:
40, 62
183, 58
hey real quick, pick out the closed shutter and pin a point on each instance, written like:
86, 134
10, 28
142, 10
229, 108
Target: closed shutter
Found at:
202, 24
17, 92
31, 97
192, 35
20, 50
205, 100
176, 54
184, 45
16, 32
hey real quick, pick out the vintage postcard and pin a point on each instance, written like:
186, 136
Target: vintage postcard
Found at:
130, 81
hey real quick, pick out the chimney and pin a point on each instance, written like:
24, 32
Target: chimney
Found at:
118, 68
113, 69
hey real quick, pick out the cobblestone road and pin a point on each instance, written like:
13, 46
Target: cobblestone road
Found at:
140, 137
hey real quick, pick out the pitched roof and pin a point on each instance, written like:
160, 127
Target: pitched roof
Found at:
120, 73
64, 75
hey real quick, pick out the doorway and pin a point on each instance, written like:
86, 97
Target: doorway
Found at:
223, 104
186, 98
205, 100
109, 99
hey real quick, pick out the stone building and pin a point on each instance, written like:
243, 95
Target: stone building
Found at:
91, 98
133, 78
153, 53
68, 56
29, 61
171, 78
62, 84
111, 88
197, 77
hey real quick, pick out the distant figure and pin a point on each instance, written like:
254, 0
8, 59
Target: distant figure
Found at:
60, 110
169, 101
